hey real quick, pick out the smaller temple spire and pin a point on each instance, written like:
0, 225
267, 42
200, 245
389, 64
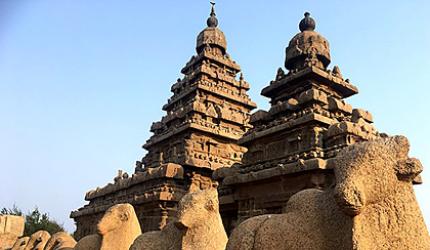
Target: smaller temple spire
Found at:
212, 20
307, 23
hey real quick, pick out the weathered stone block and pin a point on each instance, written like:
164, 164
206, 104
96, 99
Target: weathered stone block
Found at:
335, 104
361, 113
12, 224
313, 95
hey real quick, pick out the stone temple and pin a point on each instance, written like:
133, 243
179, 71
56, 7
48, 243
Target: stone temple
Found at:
206, 116
208, 134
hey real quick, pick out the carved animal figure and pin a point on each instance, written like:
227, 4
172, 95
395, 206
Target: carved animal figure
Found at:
198, 226
376, 188
372, 206
60, 241
20, 243
38, 240
117, 230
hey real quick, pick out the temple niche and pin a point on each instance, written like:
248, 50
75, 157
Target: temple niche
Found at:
291, 145
206, 116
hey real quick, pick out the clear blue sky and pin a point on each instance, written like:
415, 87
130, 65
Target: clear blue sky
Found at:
81, 81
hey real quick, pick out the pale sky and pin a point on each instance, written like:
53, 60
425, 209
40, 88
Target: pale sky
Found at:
81, 81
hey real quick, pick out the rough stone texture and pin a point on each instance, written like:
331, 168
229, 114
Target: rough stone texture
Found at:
12, 224
291, 144
169, 238
7, 240
117, 229
89, 242
375, 186
20, 243
199, 226
372, 206
208, 112
60, 241
38, 240
312, 221
11, 228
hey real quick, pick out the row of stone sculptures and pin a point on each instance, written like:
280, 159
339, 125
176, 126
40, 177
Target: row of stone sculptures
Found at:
371, 206
42, 240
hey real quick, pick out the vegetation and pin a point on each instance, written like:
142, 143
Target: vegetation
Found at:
34, 220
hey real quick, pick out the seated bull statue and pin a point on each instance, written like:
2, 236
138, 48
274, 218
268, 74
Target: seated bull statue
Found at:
198, 226
372, 206
117, 230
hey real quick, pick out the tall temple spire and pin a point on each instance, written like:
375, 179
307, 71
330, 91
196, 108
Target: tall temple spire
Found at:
212, 20
208, 112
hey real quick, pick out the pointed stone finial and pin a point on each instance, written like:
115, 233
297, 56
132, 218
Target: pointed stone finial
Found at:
212, 20
336, 71
307, 23
280, 74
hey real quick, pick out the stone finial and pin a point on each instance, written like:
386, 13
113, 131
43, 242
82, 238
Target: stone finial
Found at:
336, 71
307, 48
211, 36
307, 23
280, 74
212, 20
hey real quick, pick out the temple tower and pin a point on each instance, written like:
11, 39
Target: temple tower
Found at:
290, 146
208, 112
206, 116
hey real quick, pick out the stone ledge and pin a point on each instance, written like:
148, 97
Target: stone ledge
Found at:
345, 88
287, 125
137, 199
169, 170
281, 169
